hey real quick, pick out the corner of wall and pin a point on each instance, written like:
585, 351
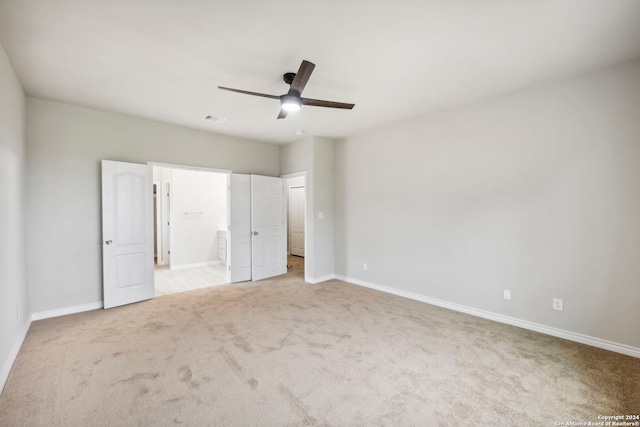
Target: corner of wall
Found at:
14, 295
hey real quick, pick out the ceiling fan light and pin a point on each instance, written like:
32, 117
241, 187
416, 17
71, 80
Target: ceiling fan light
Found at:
290, 103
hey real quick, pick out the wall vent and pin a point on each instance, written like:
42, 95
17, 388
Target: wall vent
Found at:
214, 119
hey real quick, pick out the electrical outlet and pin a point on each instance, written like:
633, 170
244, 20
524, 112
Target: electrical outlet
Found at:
365, 267
507, 295
320, 215
557, 304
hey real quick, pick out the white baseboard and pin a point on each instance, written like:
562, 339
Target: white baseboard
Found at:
548, 330
314, 280
6, 369
195, 264
64, 311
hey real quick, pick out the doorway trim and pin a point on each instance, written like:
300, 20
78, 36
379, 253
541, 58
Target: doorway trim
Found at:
296, 210
308, 251
193, 168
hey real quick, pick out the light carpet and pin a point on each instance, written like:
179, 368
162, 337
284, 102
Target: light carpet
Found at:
280, 352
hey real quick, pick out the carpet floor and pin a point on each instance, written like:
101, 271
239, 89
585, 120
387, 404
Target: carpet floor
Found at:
279, 353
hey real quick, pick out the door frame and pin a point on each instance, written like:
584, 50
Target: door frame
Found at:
308, 254
162, 202
304, 189
165, 215
157, 219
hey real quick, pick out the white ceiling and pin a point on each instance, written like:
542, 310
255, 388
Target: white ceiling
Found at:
163, 59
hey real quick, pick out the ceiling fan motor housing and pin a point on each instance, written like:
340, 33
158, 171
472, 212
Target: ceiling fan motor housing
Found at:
288, 78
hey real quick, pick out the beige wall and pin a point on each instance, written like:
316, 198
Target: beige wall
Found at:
13, 281
294, 158
537, 192
65, 144
194, 237
198, 209
315, 156
297, 156
323, 195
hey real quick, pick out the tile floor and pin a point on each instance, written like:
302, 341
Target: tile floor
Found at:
169, 281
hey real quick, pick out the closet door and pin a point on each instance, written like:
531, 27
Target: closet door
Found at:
239, 257
256, 231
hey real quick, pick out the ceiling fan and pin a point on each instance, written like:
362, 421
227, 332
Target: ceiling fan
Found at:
292, 100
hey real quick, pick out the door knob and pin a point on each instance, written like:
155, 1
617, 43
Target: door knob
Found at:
108, 242
255, 233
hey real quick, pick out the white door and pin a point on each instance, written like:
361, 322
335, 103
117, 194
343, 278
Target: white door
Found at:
296, 220
127, 233
239, 256
269, 246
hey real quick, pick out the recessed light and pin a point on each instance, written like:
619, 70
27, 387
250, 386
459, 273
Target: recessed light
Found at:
299, 132
214, 119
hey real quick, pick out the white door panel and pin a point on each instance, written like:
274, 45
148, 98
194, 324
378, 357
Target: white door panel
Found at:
268, 247
239, 257
127, 232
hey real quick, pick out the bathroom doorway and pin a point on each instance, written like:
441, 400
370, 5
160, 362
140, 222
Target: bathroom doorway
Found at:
191, 228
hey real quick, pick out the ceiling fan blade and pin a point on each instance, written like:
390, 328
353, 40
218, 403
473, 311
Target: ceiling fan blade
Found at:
246, 92
330, 104
283, 114
302, 77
